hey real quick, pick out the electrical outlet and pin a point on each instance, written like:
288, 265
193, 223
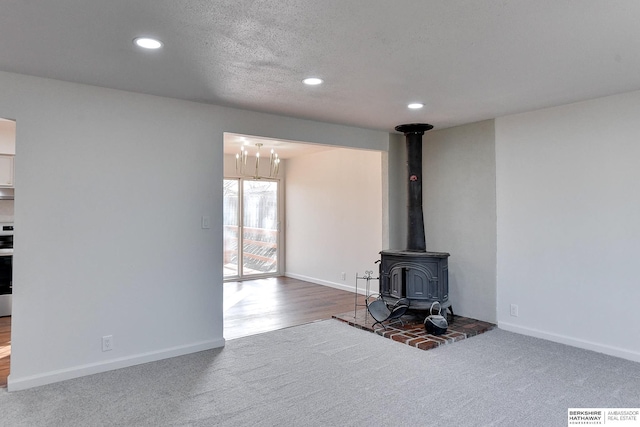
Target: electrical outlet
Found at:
343, 276
514, 310
206, 222
107, 343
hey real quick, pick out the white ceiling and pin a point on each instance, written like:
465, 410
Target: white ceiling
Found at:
466, 60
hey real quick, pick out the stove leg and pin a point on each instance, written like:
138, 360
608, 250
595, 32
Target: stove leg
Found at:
452, 315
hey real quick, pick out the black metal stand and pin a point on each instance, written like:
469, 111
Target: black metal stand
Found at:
367, 277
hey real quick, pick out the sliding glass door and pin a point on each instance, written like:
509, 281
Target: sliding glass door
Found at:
231, 234
250, 227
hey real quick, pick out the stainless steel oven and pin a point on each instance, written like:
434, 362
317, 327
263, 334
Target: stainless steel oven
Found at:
6, 268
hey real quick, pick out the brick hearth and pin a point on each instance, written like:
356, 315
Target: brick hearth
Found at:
413, 332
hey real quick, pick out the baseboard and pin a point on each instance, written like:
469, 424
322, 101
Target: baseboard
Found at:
574, 342
15, 384
341, 286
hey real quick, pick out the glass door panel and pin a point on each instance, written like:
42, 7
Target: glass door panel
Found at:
260, 227
250, 222
231, 215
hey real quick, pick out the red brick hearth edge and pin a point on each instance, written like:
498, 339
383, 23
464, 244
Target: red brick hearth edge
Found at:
413, 332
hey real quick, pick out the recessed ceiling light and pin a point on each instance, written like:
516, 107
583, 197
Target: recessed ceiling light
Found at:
415, 106
312, 81
148, 43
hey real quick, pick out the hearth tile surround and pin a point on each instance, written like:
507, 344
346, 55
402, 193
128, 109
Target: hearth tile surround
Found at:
413, 332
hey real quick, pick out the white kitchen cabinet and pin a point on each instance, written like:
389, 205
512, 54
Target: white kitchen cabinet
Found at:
6, 170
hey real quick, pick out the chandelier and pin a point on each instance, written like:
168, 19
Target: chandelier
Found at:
241, 163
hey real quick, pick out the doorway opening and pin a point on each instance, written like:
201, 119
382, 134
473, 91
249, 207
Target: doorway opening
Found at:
330, 197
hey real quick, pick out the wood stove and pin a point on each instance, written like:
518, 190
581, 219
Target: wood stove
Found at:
421, 277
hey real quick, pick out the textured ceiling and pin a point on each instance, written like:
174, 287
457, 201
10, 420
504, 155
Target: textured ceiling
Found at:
466, 60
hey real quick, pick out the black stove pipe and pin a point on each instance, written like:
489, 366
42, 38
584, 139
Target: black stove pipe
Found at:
415, 227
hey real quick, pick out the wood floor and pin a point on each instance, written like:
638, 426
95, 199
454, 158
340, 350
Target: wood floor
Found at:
5, 349
250, 307
256, 306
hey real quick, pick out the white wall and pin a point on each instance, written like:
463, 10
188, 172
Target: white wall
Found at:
459, 203
568, 209
334, 216
110, 190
